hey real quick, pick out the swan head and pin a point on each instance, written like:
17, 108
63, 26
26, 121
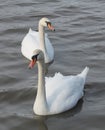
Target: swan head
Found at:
45, 22
37, 56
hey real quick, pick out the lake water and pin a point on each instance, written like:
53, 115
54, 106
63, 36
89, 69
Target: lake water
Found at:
79, 41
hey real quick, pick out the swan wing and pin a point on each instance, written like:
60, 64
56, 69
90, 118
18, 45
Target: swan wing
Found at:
68, 90
31, 42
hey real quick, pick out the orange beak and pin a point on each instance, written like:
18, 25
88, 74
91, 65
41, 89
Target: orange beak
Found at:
50, 27
32, 63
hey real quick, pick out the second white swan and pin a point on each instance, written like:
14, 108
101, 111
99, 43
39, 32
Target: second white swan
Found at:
38, 40
59, 93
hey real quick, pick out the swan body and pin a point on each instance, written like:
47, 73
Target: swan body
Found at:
59, 93
38, 40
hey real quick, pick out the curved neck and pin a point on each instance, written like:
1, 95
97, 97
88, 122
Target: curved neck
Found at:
42, 39
41, 80
41, 92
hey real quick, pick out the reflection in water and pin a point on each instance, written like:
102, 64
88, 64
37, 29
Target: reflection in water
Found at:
41, 119
42, 125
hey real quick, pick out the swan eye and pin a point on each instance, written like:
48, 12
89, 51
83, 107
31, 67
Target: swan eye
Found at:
35, 57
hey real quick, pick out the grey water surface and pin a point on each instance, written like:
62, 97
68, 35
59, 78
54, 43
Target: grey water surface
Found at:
79, 41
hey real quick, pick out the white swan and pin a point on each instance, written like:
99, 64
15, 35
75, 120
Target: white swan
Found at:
59, 93
38, 40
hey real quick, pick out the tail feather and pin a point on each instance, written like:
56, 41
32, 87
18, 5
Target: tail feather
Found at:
84, 72
30, 30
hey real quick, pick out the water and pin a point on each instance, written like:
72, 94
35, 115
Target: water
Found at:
78, 42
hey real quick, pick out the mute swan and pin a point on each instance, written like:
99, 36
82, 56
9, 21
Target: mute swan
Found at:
38, 40
59, 93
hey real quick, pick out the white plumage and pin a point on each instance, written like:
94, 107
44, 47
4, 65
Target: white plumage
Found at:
38, 40
59, 93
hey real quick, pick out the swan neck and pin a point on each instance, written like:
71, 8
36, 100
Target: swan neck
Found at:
42, 38
41, 79
41, 92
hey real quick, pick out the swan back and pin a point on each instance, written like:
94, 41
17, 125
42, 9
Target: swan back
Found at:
63, 92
